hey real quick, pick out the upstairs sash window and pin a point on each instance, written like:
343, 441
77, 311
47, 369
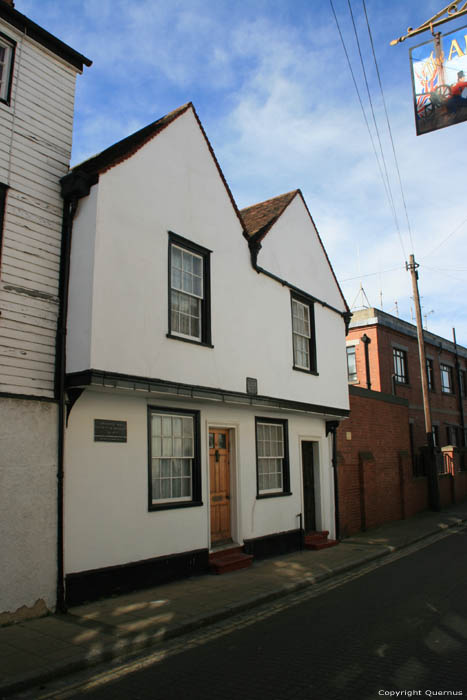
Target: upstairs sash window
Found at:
304, 354
189, 291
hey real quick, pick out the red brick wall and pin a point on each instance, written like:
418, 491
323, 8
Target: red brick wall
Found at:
444, 407
374, 466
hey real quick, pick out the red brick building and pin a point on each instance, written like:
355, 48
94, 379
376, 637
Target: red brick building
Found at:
380, 447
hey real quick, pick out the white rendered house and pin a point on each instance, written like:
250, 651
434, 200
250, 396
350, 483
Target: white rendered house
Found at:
37, 84
206, 366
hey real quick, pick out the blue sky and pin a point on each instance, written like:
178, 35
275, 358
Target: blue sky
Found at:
271, 84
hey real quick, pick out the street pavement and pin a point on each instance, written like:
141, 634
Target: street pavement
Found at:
36, 651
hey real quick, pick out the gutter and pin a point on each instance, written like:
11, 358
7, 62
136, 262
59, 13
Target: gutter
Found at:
254, 244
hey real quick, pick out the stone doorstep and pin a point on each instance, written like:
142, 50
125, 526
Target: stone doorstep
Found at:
318, 540
228, 560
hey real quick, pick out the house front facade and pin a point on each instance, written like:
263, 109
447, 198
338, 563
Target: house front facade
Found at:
37, 83
206, 366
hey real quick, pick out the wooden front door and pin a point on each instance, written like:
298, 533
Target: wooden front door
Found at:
219, 467
309, 505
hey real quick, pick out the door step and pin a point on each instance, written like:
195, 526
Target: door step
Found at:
227, 560
318, 540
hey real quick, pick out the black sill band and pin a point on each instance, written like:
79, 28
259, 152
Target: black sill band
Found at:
172, 506
188, 340
307, 371
273, 495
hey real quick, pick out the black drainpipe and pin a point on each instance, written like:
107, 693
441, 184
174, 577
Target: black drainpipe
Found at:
366, 340
74, 186
331, 427
69, 210
460, 389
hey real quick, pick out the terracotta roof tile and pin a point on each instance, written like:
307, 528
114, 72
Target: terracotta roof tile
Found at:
259, 218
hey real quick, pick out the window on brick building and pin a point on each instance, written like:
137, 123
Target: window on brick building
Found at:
452, 435
430, 375
351, 364
435, 432
446, 379
463, 380
400, 365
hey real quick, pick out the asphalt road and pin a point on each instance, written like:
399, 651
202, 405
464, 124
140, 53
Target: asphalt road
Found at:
401, 627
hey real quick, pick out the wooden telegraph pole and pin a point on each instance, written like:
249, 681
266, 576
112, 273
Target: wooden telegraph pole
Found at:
431, 462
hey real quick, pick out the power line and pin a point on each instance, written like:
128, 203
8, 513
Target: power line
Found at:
443, 272
393, 207
360, 101
388, 123
371, 274
444, 239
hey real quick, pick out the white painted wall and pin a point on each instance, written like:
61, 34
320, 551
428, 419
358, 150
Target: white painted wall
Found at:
82, 274
28, 505
292, 251
106, 484
173, 184
35, 146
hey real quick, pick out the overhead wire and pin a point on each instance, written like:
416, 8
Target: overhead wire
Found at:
388, 124
359, 98
444, 272
444, 240
391, 198
371, 274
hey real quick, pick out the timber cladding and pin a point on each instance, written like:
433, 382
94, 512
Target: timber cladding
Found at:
38, 124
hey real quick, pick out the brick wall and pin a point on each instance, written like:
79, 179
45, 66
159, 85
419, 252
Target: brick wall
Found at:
444, 406
375, 470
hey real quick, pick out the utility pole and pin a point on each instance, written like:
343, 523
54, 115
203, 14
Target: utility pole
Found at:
431, 466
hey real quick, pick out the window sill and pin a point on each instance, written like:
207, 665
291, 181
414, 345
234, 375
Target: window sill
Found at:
173, 506
188, 340
307, 371
273, 495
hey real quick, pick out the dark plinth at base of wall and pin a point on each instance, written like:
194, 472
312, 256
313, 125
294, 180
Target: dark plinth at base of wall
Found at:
274, 545
86, 586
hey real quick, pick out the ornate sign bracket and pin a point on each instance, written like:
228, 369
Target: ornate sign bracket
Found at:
451, 11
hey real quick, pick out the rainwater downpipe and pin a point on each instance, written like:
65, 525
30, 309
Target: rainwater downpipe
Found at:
69, 210
331, 427
366, 341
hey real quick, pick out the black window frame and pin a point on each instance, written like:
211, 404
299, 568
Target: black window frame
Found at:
463, 383
196, 475
285, 460
447, 370
353, 350
401, 355
205, 254
306, 301
430, 374
452, 434
12, 44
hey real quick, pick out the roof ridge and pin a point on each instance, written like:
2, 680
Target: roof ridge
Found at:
128, 146
260, 217
271, 199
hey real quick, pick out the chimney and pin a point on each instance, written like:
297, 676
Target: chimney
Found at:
9, 2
